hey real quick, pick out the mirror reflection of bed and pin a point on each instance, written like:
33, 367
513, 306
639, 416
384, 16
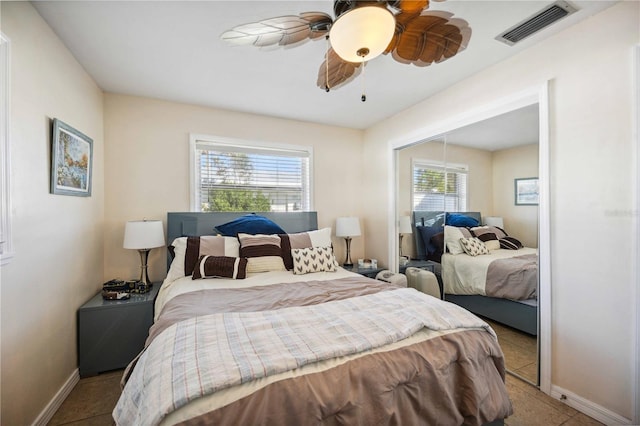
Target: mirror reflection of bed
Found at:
500, 284
490, 155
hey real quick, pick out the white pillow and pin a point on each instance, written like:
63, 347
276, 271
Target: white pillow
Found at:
452, 236
321, 237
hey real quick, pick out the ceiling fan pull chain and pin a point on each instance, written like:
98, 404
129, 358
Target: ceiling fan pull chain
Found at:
326, 85
364, 95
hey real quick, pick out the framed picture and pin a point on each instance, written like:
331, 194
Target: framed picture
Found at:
71, 161
526, 191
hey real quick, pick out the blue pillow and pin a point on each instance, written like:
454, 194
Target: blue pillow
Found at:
457, 219
249, 224
426, 232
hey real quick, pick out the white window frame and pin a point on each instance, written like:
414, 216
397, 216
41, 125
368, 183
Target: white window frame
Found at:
194, 185
6, 240
447, 167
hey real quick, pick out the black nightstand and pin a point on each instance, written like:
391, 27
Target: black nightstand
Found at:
427, 265
367, 272
112, 332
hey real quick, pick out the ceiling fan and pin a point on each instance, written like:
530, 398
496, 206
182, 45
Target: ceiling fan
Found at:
361, 31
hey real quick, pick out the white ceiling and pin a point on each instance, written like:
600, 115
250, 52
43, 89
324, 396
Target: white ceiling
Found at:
171, 50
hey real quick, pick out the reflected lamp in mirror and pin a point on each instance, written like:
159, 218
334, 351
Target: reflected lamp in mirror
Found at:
143, 235
404, 227
347, 227
494, 221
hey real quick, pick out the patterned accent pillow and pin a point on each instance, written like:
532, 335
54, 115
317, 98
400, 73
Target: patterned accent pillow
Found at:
473, 246
313, 259
187, 250
319, 238
220, 267
510, 243
263, 252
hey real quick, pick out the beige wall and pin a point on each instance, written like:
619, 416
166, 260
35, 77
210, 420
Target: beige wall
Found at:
58, 240
520, 222
590, 69
147, 168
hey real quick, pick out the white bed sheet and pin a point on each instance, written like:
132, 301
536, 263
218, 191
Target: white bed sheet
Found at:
466, 275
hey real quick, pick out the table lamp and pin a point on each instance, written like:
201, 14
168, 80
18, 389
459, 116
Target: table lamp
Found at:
404, 227
143, 235
347, 227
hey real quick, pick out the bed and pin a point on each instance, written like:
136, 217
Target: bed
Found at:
501, 284
268, 345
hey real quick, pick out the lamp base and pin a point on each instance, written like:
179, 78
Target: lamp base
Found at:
144, 275
347, 262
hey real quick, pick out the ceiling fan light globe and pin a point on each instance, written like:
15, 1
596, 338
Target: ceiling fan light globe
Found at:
367, 27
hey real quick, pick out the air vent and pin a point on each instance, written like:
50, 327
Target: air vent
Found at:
535, 23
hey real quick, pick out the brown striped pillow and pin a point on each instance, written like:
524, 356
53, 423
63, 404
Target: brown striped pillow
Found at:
263, 252
319, 238
187, 250
220, 267
487, 234
510, 243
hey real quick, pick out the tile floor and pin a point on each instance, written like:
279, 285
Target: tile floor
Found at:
92, 400
531, 407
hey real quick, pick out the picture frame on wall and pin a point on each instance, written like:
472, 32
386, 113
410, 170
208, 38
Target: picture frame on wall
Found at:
71, 161
526, 191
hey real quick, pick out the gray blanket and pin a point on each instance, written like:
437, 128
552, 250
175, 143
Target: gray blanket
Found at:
515, 278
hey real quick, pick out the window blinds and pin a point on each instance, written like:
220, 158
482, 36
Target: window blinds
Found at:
244, 178
439, 188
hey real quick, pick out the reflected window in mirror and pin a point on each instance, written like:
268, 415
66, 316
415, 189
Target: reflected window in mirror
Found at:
439, 187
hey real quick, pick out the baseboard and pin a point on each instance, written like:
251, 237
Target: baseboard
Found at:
589, 408
45, 415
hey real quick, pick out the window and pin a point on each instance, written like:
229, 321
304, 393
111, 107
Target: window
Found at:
6, 245
240, 176
431, 193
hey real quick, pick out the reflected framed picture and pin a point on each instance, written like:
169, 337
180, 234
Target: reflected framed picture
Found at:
526, 191
71, 161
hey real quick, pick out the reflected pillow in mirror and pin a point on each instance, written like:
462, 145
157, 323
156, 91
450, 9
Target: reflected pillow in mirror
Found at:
452, 237
473, 246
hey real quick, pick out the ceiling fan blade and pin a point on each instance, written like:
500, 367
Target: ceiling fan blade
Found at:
283, 30
338, 73
427, 38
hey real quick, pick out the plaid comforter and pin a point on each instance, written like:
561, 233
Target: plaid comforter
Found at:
204, 354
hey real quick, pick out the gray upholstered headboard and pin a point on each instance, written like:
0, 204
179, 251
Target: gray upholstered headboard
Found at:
435, 218
194, 224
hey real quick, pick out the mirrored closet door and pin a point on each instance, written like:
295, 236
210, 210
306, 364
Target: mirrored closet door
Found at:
479, 170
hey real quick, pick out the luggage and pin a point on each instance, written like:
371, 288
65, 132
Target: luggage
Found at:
424, 281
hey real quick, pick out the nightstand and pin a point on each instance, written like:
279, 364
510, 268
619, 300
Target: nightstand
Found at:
367, 272
427, 265
111, 333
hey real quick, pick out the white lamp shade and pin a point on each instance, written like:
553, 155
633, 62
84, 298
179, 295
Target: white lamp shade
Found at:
347, 227
143, 234
365, 27
494, 221
404, 225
